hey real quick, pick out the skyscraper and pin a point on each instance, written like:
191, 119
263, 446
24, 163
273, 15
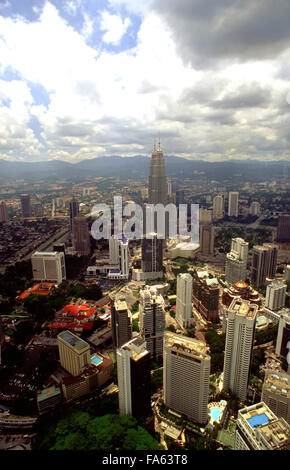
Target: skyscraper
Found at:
283, 337
25, 205
121, 318
275, 295
272, 256
218, 207
205, 216
283, 229
157, 178
82, 243
3, 212
152, 254
233, 208
152, 321
276, 393
186, 372
240, 335
73, 212
236, 261
255, 208
48, 266
74, 353
205, 295
264, 263
184, 300
133, 372
206, 239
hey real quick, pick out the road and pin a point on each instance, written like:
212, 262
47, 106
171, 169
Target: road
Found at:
61, 235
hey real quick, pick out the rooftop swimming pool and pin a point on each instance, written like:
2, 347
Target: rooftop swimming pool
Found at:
96, 360
215, 413
257, 420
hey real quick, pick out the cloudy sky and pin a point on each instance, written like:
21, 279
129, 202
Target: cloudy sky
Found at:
86, 78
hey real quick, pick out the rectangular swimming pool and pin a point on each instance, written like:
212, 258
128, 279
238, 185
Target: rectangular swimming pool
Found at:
96, 360
257, 420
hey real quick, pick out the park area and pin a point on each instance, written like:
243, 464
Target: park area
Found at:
226, 437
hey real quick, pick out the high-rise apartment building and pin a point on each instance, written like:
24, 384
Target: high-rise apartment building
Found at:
48, 266
82, 242
205, 216
275, 295
184, 300
133, 372
121, 318
3, 212
255, 208
240, 335
74, 353
205, 295
186, 372
73, 212
236, 261
258, 428
25, 205
206, 239
264, 262
276, 393
287, 273
283, 229
233, 208
218, 207
152, 321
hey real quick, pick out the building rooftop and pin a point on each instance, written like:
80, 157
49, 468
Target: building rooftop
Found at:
190, 346
276, 434
244, 308
48, 393
277, 382
73, 340
137, 346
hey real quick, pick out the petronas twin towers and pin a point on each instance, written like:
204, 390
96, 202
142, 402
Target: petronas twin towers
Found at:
157, 178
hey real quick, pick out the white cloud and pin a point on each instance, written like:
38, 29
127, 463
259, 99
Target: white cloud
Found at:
114, 26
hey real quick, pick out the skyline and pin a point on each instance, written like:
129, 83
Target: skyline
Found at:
211, 80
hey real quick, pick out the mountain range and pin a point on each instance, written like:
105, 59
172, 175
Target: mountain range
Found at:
138, 167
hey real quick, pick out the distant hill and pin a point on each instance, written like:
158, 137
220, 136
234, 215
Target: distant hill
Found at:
138, 166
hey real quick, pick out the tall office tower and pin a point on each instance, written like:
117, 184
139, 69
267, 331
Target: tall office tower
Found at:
236, 261
152, 321
206, 239
169, 189
134, 378
275, 295
240, 335
3, 212
287, 273
114, 250
272, 256
157, 178
264, 263
283, 338
179, 197
186, 372
184, 300
205, 295
48, 266
73, 212
152, 254
124, 257
74, 353
276, 393
218, 207
258, 428
82, 242
283, 229
37, 209
121, 318
205, 216
255, 208
233, 208
25, 205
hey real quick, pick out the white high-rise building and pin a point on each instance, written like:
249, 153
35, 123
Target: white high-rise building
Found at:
283, 337
276, 393
184, 300
152, 321
236, 261
233, 208
48, 266
124, 258
287, 273
169, 188
218, 207
186, 371
241, 322
275, 295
